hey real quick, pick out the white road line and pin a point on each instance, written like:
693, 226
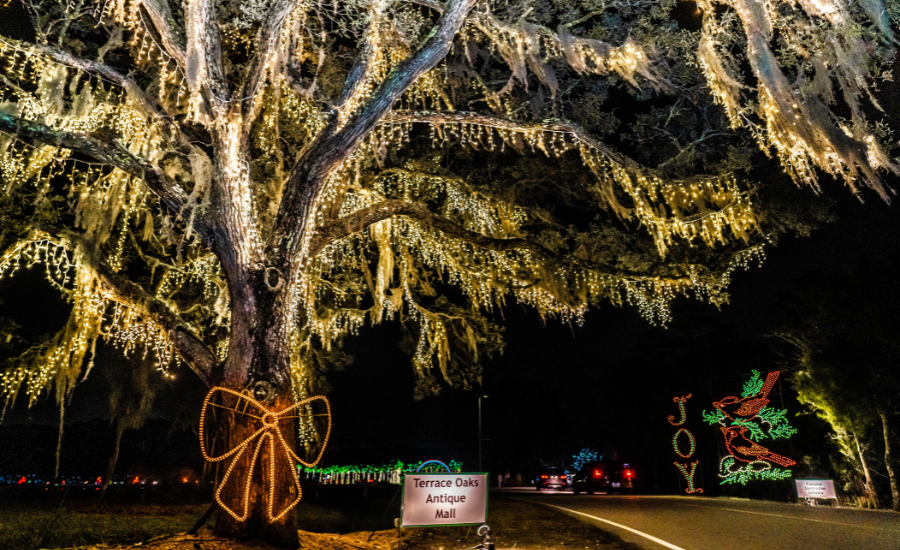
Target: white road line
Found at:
620, 526
791, 517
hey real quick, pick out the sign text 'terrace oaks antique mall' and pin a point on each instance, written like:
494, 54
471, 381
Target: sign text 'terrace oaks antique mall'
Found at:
444, 499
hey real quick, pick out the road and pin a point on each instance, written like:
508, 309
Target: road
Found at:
698, 523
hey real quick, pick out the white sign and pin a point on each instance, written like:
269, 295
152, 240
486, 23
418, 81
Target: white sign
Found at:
444, 499
815, 488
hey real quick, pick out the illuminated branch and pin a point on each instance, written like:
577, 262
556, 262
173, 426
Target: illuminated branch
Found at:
361, 219
362, 64
112, 154
119, 288
171, 38
308, 177
266, 39
195, 353
500, 123
135, 92
365, 217
205, 67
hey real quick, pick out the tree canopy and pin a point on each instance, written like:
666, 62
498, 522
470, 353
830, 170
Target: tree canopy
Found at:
238, 185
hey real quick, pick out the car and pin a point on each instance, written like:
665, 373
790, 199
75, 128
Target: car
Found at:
551, 477
603, 476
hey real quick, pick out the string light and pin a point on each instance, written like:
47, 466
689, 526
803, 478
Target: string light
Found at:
680, 401
690, 439
689, 476
269, 434
94, 314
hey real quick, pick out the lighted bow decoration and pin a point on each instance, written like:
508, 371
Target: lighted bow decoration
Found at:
268, 433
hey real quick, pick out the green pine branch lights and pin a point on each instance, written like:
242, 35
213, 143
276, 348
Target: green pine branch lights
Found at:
743, 422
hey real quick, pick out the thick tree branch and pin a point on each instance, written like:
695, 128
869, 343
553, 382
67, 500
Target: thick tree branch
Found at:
500, 123
365, 217
170, 36
362, 63
361, 219
204, 66
191, 348
119, 288
112, 154
149, 105
266, 39
333, 145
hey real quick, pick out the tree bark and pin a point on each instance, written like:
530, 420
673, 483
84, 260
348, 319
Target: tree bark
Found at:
283, 532
120, 429
871, 496
892, 475
258, 361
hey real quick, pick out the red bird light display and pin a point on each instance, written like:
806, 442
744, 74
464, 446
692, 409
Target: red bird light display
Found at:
746, 450
745, 420
735, 408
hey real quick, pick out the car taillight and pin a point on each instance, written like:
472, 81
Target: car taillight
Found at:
597, 473
543, 477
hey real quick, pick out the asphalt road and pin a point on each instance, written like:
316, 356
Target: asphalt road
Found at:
698, 523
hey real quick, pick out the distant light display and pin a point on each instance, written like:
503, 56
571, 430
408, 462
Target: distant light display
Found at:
389, 472
269, 433
688, 474
745, 420
582, 458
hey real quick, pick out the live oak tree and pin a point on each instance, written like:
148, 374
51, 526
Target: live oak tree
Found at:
842, 337
237, 186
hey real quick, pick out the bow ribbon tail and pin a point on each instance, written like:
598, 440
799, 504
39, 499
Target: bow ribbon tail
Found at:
237, 457
294, 477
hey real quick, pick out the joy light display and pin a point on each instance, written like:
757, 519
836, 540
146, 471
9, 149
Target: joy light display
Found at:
744, 420
688, 474
269, 433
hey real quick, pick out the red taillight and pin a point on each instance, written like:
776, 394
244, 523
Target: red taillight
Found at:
543, 477
598, 473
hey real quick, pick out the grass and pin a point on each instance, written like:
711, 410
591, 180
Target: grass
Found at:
342, 512
29, 526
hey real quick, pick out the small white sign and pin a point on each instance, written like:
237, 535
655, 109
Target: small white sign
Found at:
444, 499
815, 488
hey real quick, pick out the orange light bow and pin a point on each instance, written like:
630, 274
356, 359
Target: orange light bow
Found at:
267, 433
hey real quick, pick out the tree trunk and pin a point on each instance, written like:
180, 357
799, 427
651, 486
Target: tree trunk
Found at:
120, 429
259, 362
892, 475
257, 525
870, 487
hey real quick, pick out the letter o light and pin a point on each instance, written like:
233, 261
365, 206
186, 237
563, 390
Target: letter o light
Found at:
690, 438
